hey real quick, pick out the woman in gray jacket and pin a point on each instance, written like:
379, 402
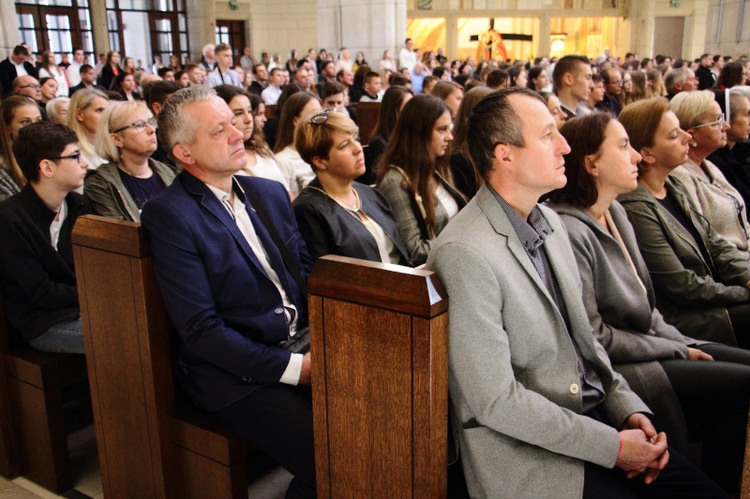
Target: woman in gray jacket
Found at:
126, 136
674, 374
701, 281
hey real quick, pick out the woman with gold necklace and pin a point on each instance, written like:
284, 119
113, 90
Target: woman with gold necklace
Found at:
335, 215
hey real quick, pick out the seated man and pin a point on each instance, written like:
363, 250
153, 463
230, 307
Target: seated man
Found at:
231, 267
540, 413
36, 265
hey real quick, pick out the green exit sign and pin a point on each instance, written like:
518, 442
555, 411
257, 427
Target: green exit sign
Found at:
675, 4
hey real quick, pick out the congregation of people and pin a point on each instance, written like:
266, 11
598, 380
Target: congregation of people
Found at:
587, 217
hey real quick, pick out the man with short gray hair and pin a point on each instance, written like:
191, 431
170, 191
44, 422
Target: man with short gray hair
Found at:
680, 80
231, 267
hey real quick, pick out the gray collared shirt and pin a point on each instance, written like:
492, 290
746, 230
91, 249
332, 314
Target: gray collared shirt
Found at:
532, 233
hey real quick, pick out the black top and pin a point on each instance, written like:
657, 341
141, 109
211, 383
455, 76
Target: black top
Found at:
728, 161
373, 151
330, 229
142, 189
673, 207
463, 175
38, 283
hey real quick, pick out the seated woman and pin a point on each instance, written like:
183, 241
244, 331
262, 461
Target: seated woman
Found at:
465, 176
451, 93
124, 84
84, 112
17, 112
672, 373
414, 174
715, 198
394, 100
260, 160
298, 107
700, 280
126, 138
335, 215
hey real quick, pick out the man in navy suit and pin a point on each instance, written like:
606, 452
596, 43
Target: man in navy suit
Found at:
231, 267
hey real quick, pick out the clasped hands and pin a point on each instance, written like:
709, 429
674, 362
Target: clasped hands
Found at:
642, 451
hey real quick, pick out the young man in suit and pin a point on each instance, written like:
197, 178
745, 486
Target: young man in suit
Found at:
231, 267
539, 410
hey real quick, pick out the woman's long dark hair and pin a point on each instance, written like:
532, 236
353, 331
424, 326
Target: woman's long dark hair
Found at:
390, 108
292, 108
409, 149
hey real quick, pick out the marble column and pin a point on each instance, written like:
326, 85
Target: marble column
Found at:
370, 26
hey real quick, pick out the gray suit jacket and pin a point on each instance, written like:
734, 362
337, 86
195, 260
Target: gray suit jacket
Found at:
513, 374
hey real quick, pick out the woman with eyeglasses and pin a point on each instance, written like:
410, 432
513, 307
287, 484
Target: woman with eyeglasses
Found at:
414, 174
714, 197
17, 112
335, 215
701, 282
126, 137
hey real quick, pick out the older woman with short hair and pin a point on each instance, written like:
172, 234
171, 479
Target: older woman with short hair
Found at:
126, 137
716, 199
335, 215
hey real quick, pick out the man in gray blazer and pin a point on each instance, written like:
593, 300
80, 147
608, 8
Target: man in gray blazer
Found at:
538, 409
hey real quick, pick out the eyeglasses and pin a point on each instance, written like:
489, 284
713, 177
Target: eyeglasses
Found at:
32, 86
139, 126
76, 156
719, 122
321, 118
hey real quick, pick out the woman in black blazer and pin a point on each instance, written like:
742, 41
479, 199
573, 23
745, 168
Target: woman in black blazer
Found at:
336, 215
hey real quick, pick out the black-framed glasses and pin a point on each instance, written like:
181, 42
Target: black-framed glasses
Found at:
139, 126
76, 156
321, 118
31, 85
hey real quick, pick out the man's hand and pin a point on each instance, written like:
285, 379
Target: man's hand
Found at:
696, 354
304, 375
643, 450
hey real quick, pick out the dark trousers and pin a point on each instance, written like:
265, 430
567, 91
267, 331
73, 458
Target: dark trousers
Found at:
739, 316
278, 420
678, 480
714, 397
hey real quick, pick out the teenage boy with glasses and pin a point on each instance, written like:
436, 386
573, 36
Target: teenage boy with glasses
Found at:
36, 264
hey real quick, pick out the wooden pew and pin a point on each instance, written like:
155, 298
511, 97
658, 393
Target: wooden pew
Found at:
379, 343
367, 119
150, 446
34, 386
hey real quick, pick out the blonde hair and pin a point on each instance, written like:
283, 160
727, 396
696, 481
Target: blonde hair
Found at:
689, 107
115, 117
315, 141
81, 100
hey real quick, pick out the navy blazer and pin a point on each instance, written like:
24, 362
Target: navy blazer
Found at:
8, 73
228, 313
